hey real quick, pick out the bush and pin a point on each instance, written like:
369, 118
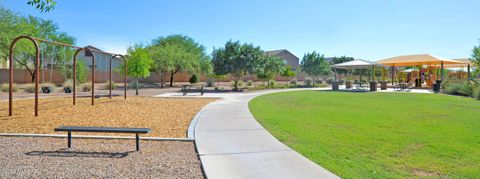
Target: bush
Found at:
50, 86
250, 83
293, 81
133, 85
193, 79
272, 83
240, 84
330, 80
87, 87
4, 87
113, 86
68, 84
319, 81
210, 82
308, 82
29, 88
462, 88
476, 92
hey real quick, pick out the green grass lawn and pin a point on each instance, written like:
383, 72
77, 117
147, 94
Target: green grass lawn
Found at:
377, 135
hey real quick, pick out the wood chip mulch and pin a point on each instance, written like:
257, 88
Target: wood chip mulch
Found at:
167, 117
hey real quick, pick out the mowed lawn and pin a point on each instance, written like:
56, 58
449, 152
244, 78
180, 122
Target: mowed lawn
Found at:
377, 135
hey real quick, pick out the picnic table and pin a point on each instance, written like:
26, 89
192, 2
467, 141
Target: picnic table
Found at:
191, 88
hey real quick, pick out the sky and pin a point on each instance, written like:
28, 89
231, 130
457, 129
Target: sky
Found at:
368, 29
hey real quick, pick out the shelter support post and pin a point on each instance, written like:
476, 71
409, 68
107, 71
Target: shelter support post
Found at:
110, 79
441, 71
393, 66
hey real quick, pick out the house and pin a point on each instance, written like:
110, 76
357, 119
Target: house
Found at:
102, 60
288, 58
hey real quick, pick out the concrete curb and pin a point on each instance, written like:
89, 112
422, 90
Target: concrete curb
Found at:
92, 137
193, 123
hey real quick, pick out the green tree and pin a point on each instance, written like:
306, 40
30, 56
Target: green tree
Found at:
314, 65
268, 66
177, 53
139, 63
475, 59
288, 72
13, 25
342, 59
236, 59
43, 5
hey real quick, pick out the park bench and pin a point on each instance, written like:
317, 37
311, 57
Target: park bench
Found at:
71, 129
191, 88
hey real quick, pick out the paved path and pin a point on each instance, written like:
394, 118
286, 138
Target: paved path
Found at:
232, 144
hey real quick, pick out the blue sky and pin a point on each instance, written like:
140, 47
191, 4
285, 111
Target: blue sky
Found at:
368, 29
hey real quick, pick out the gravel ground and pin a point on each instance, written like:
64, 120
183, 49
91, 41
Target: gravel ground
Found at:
167, 117
41, 157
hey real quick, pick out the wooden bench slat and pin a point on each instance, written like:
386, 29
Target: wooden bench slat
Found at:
103, 129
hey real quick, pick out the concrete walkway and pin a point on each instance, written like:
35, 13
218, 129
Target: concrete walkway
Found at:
232, 144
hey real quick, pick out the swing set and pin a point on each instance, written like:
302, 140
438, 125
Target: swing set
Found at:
88, 53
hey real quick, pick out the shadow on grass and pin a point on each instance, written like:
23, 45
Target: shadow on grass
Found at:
65, 153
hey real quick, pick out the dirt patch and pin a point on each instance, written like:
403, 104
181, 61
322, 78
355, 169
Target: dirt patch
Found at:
167, 117
421, 173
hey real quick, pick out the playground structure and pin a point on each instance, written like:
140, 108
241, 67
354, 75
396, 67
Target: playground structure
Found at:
88, 53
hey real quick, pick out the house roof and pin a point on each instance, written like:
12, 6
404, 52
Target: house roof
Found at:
418, 59
356, 64
277, 52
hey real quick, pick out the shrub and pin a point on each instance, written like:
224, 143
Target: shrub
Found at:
293, 81
29, 88
319, 81
113, 86
4, 87
87, 87
210, 82
476, 92
321, 85
308, 82
240, 84
193, 79
462, 88
250, 83
272, 83
68, 84
330, 80
133, 85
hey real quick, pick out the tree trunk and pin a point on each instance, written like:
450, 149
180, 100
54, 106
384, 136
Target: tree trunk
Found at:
136, 86
162, 79
171, 78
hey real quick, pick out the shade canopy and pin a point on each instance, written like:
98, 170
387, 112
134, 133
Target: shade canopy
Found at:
420, 59
356, 64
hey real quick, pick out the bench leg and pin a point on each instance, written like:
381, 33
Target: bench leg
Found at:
69, 139
138, 141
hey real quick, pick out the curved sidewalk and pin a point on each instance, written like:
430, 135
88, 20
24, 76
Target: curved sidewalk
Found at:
232, 144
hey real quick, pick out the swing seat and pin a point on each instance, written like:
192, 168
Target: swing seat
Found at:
46, 89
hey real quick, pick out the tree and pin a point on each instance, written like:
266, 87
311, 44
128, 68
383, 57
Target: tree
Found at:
43, 5
288, 72
139, 63
13, 25
342, 59
177, 53
236, 59
314, 65
268, 66
475, 58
